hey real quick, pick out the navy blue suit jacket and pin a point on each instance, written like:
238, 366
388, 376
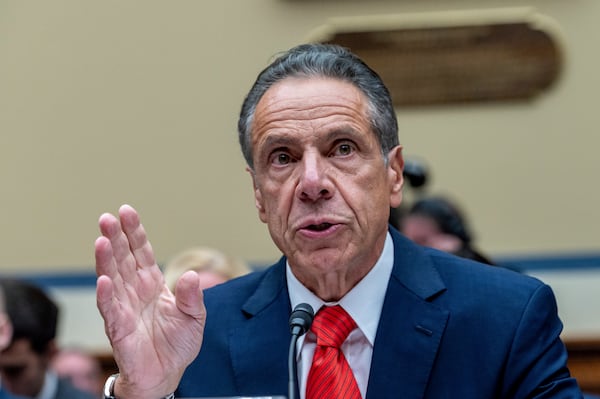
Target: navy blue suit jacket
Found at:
450, 328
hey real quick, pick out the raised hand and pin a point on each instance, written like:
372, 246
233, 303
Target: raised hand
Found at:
154, 334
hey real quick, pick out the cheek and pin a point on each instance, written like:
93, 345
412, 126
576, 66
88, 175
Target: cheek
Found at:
33, 371
418, 230
370, 197
277, 198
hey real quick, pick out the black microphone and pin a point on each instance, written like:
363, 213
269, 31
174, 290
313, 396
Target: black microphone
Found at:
300, 321
415, 172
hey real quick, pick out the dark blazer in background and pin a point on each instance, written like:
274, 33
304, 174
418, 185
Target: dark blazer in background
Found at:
66, 390
450, 328
4, 394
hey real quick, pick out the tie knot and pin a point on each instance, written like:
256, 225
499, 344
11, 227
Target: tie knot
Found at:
332, 325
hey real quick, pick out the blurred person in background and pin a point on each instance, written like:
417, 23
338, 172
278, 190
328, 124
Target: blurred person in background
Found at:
5, 337
81, 368
437, 222
25, 363
213, 266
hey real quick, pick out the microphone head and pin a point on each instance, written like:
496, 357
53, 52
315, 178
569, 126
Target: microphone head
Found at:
415, 172
301, 319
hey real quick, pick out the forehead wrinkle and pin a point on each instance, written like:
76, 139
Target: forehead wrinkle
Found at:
316, 116
281, 98
282, 107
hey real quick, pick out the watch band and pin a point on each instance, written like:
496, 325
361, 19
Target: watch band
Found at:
109, 388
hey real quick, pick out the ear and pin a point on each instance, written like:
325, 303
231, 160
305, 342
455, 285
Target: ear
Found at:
395, 176
6, 331
52, 348
258, 201
50, 352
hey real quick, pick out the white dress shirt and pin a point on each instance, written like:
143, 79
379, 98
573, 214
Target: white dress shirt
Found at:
364, 303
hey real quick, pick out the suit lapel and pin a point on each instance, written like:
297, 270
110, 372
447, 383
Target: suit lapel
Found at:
407, 340
259, 346
410, 329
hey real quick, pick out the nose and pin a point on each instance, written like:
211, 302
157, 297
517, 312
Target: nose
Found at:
314, 182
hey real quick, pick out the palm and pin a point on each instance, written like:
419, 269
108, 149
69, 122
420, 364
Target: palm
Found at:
154, 335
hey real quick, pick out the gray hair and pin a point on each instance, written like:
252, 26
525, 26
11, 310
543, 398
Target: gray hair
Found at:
330, 61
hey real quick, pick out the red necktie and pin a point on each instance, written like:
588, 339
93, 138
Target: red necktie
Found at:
330, 376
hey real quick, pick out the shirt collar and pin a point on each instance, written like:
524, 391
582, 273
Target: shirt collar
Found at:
50, 386
364, 302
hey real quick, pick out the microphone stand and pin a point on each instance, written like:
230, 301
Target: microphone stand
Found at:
292, 367
300, 321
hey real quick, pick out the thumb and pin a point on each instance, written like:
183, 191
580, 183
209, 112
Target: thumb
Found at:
188, 295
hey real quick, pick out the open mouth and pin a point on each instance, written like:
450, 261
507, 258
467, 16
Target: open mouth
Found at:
319, 227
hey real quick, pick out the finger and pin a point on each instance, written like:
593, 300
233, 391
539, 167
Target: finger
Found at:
105, 261
189, 297
119, 321
111, 286
110, 227
104, 302
104, 295
138, 241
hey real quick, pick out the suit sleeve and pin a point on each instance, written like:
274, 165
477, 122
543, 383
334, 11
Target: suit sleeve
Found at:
537, 362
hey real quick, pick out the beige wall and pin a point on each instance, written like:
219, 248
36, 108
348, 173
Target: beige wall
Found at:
111, 102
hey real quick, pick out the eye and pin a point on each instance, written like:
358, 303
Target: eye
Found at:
282, 158
344, 149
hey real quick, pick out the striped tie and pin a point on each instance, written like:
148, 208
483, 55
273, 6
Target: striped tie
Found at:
330, 376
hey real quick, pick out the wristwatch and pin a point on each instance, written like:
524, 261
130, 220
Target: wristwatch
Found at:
109, 388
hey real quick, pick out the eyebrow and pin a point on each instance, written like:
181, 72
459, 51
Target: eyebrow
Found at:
278, 140
283, 140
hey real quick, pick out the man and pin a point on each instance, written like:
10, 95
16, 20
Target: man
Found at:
81, 368
319, 135
5, 336
25, 363
437, 222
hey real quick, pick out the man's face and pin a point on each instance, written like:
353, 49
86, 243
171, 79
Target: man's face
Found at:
420, 229
82, 370
5, 330
425, 231
22, 370
320, 180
